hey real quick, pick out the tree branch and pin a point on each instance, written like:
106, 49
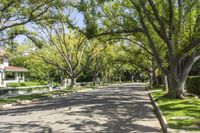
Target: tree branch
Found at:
171, 23
136, 30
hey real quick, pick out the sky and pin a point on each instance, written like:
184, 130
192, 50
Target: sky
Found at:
77, 17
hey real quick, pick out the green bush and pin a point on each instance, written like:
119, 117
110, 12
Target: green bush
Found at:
21, 84
193, 84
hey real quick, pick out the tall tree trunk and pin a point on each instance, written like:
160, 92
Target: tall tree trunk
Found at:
154, 79
177, 81
176, 87
94, 78
132, 78
73, 81
150, 79
109, 78
120, 79
165, 82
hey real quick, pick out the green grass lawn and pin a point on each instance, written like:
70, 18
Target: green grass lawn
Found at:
33, 96
180, 114
43, 95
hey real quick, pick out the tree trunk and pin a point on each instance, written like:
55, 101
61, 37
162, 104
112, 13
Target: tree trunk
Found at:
176, 88
109, 79
154, 79
165, 82
154, 76
175, 85
94, 78
177, 81
150, 80
73, 81
120, 79
132, 78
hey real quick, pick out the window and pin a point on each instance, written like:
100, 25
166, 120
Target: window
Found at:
10, 75
1, 61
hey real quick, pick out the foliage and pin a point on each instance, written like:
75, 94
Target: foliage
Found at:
66, 49
20, 84
166, 31
38, 70
193, 84
195, 69
22, 56
169, 30
16, 14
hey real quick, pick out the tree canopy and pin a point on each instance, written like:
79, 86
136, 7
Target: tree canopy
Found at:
163, 33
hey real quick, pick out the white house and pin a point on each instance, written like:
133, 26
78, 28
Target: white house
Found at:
8, 73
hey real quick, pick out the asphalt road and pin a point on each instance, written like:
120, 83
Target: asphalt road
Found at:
117, 109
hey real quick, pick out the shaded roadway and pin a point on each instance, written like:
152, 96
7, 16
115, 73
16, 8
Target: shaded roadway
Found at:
116, 109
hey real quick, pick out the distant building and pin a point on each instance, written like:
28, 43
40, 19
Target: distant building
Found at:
9, 74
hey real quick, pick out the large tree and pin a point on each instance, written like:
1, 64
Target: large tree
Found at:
172, 25
66, 49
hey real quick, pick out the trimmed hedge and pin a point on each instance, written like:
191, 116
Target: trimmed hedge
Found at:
21, 84
193, 84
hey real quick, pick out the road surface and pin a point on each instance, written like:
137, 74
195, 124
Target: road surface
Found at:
117, 109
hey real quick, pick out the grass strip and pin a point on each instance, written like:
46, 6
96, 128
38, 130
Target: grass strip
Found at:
33, 96
179, 113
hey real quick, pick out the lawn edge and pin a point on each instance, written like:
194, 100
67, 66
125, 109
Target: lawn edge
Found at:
24, 102
159, 114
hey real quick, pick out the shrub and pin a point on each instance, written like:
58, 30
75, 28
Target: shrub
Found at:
20, 84
193, 84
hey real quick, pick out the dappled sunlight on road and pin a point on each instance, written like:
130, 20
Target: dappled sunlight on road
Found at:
120, 109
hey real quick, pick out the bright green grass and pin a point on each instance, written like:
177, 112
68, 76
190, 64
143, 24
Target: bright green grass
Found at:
33, 96
172, 108
43, 95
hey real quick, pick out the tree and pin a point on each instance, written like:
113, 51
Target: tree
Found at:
68, 50
16, 14
38, 70
173, 25
136, 57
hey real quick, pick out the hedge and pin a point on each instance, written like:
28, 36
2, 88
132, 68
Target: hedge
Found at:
21, 84
193, 84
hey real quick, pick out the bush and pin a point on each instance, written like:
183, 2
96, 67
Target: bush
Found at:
193, 84
20, 84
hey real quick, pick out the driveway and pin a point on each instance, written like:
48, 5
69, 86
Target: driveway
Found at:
116, 109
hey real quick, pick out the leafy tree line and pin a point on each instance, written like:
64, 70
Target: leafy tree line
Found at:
169, 25
165, 32
45, 64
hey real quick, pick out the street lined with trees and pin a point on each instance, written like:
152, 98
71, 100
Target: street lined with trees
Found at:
106, 42
166, 33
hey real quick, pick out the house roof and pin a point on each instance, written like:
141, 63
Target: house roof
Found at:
15, 69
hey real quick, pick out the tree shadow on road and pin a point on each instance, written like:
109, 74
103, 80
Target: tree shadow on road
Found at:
116, 110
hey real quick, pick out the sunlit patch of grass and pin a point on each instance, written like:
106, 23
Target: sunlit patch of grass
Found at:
34, 96
42, 95
180, 113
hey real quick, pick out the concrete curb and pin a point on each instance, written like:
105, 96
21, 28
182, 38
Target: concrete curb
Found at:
159, 114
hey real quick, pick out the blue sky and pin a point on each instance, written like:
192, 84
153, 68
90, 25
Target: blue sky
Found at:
77, 17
